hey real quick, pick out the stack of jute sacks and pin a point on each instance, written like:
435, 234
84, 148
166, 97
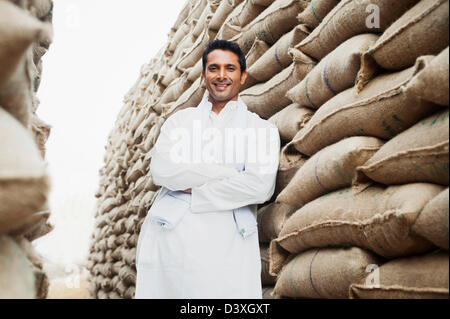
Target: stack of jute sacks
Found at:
25, 36
349, 84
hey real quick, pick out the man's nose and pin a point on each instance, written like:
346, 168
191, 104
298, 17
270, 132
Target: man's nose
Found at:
222, 73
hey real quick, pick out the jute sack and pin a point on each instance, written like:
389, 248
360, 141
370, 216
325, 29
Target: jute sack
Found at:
290, 162
418, 277
257, 50
419, 154
175, 89
16, 277
170, 75
178, 36
432, 222
324, 273
190, 98
290, 120
18, 31
41, 9
228, 31
24, 185
277, 57
350, 18
268, 98
247, 13
432, 82
182, 15
182, 48
195, 53
266, 278
271, 219
264, 3
331, 168
382, 109
278, 19
196, 11
317, 10
378, 219
334, 74
422, 30
195, 72
222, 12
203, 20
41, 132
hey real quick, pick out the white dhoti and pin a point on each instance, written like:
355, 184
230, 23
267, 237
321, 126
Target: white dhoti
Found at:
202, 257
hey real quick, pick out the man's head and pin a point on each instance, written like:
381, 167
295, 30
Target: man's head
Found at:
224, 70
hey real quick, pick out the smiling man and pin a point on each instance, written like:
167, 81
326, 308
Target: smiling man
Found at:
215, 163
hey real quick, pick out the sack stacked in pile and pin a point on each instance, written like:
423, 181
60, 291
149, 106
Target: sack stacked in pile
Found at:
371, 197
25, 36
312, 73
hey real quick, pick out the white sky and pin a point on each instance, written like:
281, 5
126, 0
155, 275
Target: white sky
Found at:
98, 49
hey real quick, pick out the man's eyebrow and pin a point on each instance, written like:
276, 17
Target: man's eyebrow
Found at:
227, 65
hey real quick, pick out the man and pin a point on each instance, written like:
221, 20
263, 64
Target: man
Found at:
215, 162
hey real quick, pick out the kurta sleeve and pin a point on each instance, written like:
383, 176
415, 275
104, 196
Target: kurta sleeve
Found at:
255, 185
169, 172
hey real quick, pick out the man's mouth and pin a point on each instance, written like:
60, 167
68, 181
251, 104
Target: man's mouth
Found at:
221, 86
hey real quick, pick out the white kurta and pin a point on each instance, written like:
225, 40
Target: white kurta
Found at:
204, 256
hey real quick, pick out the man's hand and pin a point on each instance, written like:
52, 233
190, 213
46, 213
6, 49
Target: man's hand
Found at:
189, 191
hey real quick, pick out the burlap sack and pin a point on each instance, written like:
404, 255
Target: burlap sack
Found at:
41, 132
334, 74
266, 278
247, 13
182, 48
418, 277
195, 53
317, 10
264, 3
422, 30
228, 31
190, 98
432, 222
181, 33
278, 19
18, 31
175, 89
332, 168
268, 98
383, 109
170, 75
195, 72
222, 12
41, 9
290, 120
277, 57
182, 15
290, 162
24, 185
257, 50
271, 219
378, 219
196, 11
16, 278
203, 21
419, 154
432, 82
267, 293
324, 273
350, 18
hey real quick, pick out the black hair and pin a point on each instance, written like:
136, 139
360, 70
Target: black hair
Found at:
227, 46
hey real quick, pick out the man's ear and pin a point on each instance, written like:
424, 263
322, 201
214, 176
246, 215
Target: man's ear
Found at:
243, 77
203, 73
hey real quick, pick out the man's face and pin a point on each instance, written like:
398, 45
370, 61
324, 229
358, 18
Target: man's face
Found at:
223, 76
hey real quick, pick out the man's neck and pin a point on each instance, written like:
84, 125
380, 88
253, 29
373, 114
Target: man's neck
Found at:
217, 107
